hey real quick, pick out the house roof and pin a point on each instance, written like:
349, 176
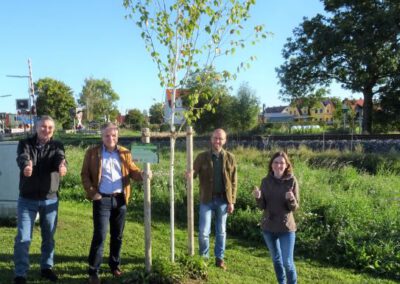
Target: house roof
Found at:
270, 115
327, 102
277, 109
354, 103
360, 102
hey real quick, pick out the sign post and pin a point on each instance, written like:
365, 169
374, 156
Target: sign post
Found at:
146, 153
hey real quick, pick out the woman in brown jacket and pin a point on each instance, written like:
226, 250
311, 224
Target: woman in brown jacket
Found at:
279, 196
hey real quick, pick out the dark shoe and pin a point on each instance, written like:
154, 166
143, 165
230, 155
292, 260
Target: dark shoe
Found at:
49, 275
94, 279
116, 272
19, 280
220, 263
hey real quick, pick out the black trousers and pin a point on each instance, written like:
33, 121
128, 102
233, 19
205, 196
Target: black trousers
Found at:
111, 209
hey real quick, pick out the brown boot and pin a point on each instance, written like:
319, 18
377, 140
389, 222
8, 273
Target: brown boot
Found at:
220, 263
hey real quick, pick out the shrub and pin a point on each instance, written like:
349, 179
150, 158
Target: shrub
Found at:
166, 272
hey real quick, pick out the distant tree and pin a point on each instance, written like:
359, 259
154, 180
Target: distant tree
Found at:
135, 119
54, 98
219, 117
245, 108
114, 114
99, 99
338, 112
357, 45
156, 112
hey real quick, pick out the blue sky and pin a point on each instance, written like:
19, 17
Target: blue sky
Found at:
77, 39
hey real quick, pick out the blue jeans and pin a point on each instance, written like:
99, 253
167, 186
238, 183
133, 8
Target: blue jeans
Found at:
27, 211
108, 210
218, 206
281, 247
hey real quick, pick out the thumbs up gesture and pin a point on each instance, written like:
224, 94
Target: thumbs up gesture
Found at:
289, 195
28, 169
62, 169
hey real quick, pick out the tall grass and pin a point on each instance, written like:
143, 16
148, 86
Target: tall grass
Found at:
350, 203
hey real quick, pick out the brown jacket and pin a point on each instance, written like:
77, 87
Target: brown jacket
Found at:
91, 171
278, 211
203, 167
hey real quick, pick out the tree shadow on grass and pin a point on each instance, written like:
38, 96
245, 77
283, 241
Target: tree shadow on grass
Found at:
70, 269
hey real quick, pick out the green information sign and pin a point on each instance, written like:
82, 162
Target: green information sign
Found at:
144, 153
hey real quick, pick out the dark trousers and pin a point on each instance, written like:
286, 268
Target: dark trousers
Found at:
108, 210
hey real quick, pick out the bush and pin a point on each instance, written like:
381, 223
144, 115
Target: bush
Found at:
166, 272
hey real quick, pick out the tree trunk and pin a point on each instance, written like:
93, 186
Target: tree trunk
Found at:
367, 111
172, 195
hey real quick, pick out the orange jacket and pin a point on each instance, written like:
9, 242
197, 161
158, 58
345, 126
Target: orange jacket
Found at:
91, 171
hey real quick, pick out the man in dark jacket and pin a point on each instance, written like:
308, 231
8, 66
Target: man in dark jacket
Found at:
41, 161
217, 173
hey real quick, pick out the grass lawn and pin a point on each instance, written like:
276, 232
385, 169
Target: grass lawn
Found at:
247, 262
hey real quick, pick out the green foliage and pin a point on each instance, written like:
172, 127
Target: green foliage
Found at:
156, 113
245, 108
195, 267
71, 186
166, 272
99, 99
212, 107
54, 98
135, 119
387, 116
206, 95
371, 163
186, 37
355, 43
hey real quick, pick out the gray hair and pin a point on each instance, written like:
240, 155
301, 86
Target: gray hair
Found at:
108, 125
45, 118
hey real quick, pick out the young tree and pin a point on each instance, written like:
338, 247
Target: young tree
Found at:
54, 98
357, 46
186, 36
99, 99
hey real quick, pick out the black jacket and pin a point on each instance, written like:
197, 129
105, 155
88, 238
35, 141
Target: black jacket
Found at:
45, 180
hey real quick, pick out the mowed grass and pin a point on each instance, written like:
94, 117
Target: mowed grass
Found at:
247, 262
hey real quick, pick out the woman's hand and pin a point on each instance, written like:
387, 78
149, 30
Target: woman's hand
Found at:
257, 192
289, 195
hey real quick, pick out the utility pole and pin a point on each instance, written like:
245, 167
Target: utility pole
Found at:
31, 96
